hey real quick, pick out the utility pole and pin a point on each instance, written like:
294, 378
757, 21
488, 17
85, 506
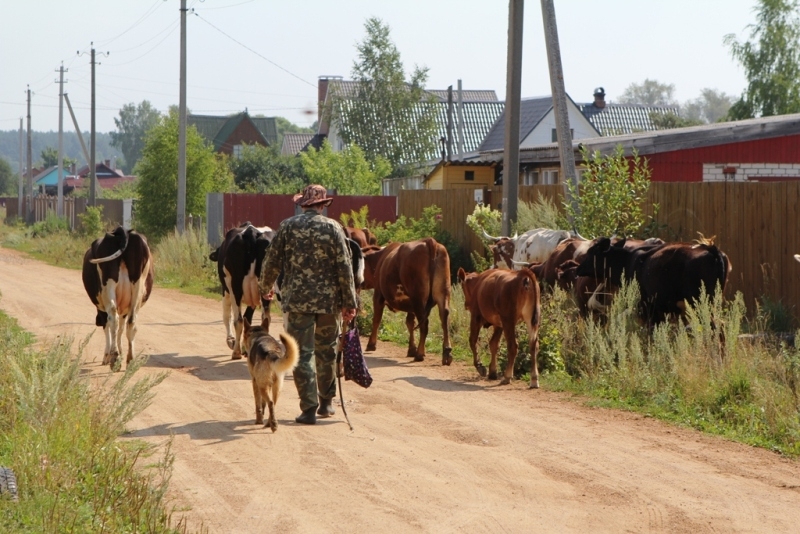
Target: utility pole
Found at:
460, 121
21, 174
513, 97
77, 129
181, 222
29, 194
92, 132
565, 152
60, 204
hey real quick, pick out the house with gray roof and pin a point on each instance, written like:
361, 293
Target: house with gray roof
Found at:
227, 134
472, 117
294, 143
619, 119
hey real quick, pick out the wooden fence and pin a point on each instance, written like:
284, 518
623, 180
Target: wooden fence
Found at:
756, 224
115, 211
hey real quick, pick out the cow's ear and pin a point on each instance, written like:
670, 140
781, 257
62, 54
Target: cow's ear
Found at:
603, 244
621, 243
461, 274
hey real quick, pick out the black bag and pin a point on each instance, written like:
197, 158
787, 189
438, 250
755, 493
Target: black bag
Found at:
355, 366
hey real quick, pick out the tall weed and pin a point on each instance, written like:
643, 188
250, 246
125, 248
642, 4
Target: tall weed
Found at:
181, 261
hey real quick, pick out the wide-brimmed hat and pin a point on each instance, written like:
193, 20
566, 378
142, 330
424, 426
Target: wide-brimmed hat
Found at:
313, 195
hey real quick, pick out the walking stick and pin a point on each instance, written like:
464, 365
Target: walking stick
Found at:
340, 373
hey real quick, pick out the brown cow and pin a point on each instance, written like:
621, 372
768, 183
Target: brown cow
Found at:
363, 236
591, 295
501, 298
411, 277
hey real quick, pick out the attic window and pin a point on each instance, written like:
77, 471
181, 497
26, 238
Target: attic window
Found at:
237, 151
469, 176
554, 135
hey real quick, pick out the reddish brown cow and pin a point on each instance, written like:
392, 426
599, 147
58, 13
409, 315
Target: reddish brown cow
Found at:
411, 277
363, 236
501, 299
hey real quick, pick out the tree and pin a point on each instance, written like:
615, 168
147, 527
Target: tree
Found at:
649, 93
771, 62
50, 158
348, 171
263, 169
156, 211
612, 191
711, 106
133, 124
666, 121
388, 116
9, 181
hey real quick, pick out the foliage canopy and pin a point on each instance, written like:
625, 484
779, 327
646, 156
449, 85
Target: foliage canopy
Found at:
132, 125
347, 171
261, 169
156, 211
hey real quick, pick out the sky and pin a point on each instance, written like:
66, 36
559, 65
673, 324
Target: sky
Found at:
267, 55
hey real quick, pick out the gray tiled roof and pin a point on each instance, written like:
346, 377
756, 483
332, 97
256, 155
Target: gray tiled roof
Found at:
531, 111
619, 119
293, 143
216, 129
349, 89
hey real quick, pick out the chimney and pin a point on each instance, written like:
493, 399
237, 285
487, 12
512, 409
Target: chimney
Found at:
108, 163
600, 98
114, 163
322, 95
73, 169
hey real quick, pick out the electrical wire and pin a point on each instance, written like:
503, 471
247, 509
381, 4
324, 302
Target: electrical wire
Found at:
165, 28
152, 9
254, 52
232, 5
154, 47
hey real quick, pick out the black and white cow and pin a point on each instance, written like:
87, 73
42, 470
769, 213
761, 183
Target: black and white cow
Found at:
239, 260
118, 277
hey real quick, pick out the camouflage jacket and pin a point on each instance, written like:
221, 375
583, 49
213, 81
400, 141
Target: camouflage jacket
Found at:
312, 251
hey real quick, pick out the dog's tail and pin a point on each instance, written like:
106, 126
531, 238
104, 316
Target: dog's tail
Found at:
289, 360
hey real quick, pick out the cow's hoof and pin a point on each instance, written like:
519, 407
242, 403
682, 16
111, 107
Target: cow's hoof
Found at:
236, 356
493, 375
370, 347
419, 357
106, 359
534, 384
273, 425
481, 370
231, 342
259, 420
447, 357
505, 381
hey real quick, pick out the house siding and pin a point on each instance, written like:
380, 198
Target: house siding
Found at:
542, 133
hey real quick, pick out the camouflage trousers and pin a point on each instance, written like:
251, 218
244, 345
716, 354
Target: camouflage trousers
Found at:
315, 374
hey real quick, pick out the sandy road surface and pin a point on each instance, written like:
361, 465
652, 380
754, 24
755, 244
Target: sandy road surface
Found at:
434, 449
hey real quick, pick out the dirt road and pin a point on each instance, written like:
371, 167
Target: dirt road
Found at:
434, 449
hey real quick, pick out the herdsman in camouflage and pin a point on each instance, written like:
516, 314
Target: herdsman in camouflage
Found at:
312, 251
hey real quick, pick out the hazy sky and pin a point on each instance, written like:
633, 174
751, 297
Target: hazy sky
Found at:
285, 46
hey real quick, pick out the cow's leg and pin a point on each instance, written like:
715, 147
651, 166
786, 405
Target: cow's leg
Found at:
226, 317
131, 333
109, 335
444, 317
512, 347
533, 347
259, 403
248, 314
121, 327
266, 316
413, 352
494, 345
238, 325
112, 343
474, 332
377, 314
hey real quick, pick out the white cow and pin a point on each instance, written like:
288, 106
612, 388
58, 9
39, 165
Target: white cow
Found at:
533, 246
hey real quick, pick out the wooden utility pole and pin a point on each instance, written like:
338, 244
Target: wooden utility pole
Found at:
21, 174
181, 220
565, 152
513, 97
29, 188
60, 204
92, 132
77, 129
460, 128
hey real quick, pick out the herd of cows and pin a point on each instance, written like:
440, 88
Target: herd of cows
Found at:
414, 277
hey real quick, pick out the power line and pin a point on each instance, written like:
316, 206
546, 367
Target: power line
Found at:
232, 5
158, 34
150, 11
154, 47
254, 52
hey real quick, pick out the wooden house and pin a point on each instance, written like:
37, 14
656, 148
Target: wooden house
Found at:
229, 134
463, 174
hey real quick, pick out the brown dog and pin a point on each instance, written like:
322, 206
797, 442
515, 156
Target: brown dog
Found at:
268, 360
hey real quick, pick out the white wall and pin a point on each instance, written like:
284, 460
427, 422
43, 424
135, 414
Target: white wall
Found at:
712, 172
543, 133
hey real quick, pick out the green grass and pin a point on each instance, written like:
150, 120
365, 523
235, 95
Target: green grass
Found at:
59, 435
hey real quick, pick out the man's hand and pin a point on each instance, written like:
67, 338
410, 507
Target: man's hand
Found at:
348, 314
268, 296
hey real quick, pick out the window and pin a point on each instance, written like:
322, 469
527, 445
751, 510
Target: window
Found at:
554, 135
469, 176
530, 177
237, 151
549, 177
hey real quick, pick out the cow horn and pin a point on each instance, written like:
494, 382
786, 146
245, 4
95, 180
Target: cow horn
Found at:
578, 235
114, 256
488, 237
520, 263
516, 235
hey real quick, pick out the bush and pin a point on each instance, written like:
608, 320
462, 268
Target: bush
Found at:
53, 224
92, 221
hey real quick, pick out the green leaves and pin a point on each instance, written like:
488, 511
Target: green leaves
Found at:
611, 193
348, 171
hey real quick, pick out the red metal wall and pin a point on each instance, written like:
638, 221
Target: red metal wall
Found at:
270, 210
687, 165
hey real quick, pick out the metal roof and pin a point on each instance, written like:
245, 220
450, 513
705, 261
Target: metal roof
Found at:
216, 129
659, 141
620, 119
293, 143
349, 89
531, 112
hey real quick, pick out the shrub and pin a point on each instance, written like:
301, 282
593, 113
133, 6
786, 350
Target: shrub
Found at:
92, 221
53, 224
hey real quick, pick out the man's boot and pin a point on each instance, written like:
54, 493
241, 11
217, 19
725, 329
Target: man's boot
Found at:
307, 417
326, 408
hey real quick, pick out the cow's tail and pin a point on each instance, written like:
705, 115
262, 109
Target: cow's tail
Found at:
121, 238
723, 265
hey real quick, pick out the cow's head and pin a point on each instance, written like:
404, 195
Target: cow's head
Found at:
466, 279
371, 256
503, 253
604, 260
566, 274
357, 257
